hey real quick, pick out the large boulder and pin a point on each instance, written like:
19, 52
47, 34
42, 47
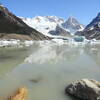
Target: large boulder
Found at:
84, 89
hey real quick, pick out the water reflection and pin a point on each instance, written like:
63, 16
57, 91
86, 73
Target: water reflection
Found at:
94, 53
48, 70
54, 54
11, 57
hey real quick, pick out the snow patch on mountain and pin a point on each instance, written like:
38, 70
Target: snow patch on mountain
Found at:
43, 24
94, 23
46, 24
73, 25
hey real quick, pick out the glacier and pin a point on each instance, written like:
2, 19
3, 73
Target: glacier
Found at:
45, 24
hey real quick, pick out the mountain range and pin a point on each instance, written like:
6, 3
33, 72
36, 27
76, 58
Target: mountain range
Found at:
53, 25
44, 27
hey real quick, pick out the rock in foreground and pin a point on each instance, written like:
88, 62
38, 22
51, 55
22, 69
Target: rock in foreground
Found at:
21, 95
84, 89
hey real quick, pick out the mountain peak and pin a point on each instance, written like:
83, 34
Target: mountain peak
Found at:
72, 21
94, 23
71, 18
92, 30
98, 14
72, 24
45, 24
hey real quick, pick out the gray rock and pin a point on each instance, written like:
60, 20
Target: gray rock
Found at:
84, 89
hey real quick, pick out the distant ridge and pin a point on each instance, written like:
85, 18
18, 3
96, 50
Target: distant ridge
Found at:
49, 25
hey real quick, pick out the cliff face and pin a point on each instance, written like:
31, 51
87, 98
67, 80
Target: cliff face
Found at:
73, 25
60, 31
13, 27
92, 30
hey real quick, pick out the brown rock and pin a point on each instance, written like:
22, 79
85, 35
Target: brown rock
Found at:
21, 95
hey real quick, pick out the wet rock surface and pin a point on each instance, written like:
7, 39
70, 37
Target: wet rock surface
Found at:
84, 89
20, 95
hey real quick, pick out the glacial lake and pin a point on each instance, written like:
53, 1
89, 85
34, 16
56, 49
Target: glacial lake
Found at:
46, 69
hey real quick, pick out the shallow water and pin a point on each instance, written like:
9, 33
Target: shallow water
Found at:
47, 69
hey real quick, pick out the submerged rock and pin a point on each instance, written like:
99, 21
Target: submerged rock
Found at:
84, 89
21, 95
36, 80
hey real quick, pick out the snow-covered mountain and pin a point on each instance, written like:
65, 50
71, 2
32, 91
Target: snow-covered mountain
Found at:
94, 23
43, 24
49, 24
72, 25
60, 31
92, 30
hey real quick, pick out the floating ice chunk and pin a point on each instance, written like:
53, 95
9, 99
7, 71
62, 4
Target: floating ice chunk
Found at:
28, 43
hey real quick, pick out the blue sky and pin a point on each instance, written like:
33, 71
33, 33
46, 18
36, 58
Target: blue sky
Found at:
83, 10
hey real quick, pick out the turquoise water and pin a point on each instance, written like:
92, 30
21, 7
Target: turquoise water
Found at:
46, 70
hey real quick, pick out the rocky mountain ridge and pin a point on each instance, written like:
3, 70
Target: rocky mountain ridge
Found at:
46, 24
92, 30
73, 25
12, 27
